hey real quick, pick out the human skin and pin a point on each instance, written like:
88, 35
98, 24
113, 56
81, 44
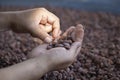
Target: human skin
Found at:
47, 60
38, 22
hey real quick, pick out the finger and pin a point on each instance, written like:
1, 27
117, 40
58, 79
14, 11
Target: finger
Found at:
41, 34
43, 20
47, 27
77, 52
80, 25
56, 39
68, 31
79, 33
55, 22
75, 46
51, 19
59, 33
56, 29
38, 40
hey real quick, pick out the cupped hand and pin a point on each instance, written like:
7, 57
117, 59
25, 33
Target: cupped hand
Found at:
38, 22
57, 57
60, 57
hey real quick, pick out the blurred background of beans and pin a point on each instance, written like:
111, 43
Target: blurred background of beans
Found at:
99, 58
89, 5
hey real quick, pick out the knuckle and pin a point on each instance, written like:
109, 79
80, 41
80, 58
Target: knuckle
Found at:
44, 9
40, 9
57, 19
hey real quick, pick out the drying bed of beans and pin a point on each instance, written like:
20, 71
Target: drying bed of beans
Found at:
99, 58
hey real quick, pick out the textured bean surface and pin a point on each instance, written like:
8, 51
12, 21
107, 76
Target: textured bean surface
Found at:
99, 58
66, 43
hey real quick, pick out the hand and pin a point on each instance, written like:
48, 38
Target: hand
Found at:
38, 22
60, 57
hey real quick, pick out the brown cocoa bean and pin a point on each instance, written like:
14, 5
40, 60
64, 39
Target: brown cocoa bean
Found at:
68, 41
49, 47
59, 45
66, 44
67, 47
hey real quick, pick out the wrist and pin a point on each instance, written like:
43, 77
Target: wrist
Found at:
44, 62
41, 66
32, 69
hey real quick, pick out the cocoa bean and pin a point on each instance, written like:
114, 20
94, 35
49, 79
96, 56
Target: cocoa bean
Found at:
59, 45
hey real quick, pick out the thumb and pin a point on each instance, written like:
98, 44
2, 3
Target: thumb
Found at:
41, 34
74, 48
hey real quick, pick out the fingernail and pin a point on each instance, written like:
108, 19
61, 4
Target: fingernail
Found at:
48, 39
